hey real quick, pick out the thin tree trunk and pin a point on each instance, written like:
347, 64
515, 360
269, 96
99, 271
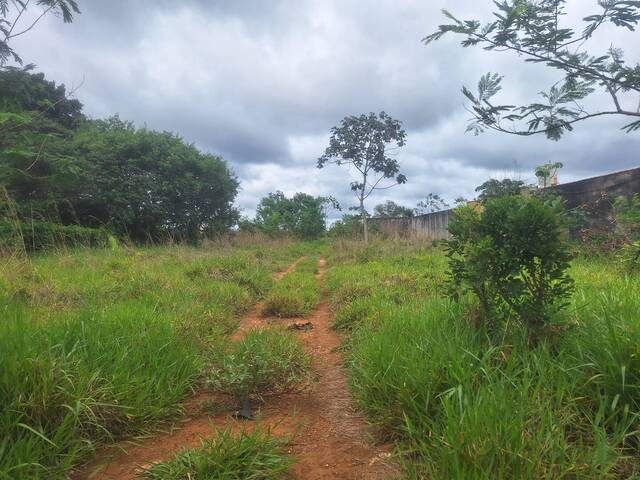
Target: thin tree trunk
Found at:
364, 222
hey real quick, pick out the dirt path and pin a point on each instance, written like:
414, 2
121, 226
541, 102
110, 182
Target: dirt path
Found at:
329, 436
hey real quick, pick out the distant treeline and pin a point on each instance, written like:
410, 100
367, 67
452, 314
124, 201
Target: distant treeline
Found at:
63, 174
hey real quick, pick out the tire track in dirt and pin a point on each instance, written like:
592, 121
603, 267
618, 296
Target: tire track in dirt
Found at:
330, 439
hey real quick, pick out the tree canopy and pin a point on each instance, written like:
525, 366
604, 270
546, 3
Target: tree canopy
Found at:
432, 203
499, 188
59, 167
391, 209
301, 216
537, 32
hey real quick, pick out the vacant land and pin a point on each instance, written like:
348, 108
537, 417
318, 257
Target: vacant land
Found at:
463, 406
100, 346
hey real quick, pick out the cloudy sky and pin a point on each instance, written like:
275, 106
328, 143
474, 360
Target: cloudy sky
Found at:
261, 82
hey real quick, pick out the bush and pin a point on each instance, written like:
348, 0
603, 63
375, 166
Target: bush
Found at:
37, 235
511, 253
248, 456
264, 362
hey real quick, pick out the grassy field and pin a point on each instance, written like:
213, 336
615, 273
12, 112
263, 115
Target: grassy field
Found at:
99, 345
463, 406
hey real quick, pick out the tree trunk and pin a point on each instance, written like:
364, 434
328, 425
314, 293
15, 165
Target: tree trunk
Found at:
365, 229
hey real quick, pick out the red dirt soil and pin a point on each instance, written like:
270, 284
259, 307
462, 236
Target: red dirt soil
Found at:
329, 436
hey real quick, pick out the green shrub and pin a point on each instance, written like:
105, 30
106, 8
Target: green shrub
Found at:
264, 362
511, 253
36, 235
252, 455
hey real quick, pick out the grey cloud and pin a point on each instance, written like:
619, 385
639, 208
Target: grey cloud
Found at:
263, 82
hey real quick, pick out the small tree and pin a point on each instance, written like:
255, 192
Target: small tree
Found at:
432, 203
391, 209
302, 215
362, 142
534, 30
546, 173
511, 253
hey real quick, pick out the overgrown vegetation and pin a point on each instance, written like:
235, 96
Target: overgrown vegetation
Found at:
296, 294
57, 166
463, 404
265, 362
97, 345
255, 455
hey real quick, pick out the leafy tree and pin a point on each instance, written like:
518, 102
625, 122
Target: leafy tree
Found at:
363, 142
547, 172
148, 184
391, 209
433, 203
137, 183
498, 188
302, 215
15, 21
534, 30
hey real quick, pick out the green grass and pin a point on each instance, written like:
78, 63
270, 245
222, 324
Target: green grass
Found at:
264, 362
99, 345
252, 455
296, 294
460, 405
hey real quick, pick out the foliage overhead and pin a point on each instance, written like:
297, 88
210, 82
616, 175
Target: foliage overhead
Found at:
14, 22
534, 30
364, 142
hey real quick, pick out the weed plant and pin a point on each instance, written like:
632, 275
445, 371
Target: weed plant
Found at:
264, 362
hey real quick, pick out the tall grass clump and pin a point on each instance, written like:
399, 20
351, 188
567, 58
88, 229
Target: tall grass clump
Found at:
73, 383
255, 455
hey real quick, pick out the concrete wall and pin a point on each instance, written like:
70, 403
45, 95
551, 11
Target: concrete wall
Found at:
595, 195
432, 226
